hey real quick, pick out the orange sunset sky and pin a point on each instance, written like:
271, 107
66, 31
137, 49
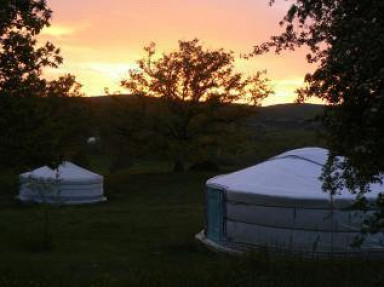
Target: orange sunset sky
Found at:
101, 39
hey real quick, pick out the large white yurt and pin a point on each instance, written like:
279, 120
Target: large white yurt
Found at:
69, 184
279, 205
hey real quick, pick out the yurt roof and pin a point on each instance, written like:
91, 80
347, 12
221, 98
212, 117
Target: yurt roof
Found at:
291, 175
66, 171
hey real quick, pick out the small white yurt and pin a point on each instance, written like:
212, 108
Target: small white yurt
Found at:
279, 205
69, 184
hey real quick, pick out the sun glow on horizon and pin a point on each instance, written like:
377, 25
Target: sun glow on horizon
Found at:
101, 40
96, 76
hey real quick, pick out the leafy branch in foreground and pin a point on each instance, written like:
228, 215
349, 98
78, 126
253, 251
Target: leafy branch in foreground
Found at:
21, 60
32, 115
346, 41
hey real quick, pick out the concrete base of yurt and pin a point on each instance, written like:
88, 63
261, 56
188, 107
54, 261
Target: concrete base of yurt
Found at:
223, 247
242, 249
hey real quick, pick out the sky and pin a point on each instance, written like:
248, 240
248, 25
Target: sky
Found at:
101, 40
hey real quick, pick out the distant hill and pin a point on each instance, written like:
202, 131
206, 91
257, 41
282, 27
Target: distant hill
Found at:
292, 111
279, 116
287, 116
267, 131
280, 111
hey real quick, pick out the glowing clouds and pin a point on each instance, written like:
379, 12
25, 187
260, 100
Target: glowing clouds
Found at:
57, 31
100, 42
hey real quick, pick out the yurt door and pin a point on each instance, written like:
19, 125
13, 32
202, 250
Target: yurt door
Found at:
215, 214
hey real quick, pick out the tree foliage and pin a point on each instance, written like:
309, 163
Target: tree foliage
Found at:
346, 41
21, 60
33, 130
123, 126
40, 131
194, 87
193, 74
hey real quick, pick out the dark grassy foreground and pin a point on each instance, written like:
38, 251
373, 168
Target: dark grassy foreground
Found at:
144, 236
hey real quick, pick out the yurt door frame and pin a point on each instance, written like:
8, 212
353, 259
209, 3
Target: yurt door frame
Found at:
215, 214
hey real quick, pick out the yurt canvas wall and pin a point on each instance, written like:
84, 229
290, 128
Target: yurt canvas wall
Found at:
69, 184
279, 204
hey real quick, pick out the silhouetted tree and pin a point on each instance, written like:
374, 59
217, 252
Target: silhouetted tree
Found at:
346, 40
21, 61
194, 86
32, 130
40, 131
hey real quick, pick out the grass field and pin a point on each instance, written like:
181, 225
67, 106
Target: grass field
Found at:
144, 236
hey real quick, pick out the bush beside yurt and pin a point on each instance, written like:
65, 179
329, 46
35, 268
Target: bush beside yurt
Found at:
68, 184
279, 205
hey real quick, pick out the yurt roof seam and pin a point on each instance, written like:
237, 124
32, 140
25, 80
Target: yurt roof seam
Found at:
297, 157
217, 186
